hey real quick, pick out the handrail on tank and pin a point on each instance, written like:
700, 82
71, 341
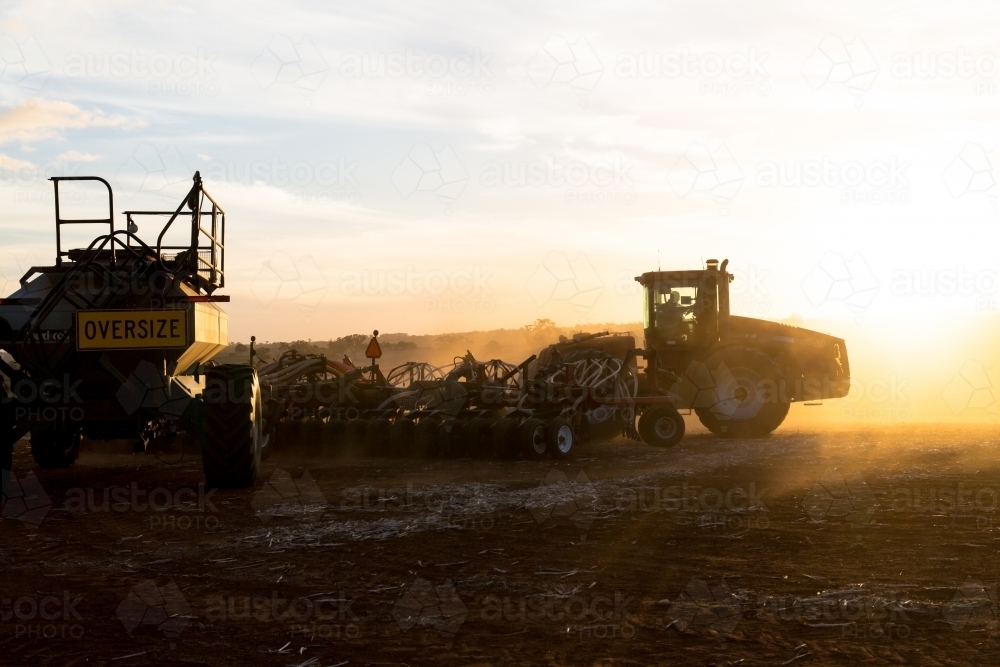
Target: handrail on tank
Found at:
216, 265
110, 220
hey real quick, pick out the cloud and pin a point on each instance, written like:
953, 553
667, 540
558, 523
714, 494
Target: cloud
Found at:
38, 119
77, 156
8, 163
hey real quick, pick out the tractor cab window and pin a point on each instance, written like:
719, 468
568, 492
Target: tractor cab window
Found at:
673, 311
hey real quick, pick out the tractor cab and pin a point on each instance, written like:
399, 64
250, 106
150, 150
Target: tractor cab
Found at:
686, 310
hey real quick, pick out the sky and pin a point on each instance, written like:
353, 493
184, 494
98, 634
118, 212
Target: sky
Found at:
431, 167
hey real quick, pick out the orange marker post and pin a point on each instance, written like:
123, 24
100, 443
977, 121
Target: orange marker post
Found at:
373, 352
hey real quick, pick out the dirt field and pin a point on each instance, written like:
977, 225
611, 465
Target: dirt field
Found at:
810, 547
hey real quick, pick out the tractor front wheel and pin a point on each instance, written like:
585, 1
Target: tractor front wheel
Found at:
661, 426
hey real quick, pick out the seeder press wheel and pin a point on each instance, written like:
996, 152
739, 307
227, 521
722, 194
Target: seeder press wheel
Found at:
429, 437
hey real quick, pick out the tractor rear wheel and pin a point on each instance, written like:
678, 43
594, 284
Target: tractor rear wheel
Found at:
747, 401
55, 446
232, 434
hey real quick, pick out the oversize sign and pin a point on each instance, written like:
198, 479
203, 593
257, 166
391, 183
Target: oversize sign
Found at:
130, 329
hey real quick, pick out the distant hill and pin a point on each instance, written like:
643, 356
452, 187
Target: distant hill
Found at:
513, 345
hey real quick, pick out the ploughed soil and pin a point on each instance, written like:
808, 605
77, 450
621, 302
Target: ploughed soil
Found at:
813, 546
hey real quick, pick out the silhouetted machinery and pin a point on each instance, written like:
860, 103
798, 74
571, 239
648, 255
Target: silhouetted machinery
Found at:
115, 340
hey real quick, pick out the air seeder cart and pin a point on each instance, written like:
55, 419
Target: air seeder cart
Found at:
115, 340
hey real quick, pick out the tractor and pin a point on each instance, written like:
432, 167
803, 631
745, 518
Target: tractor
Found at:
738, 374
116, 340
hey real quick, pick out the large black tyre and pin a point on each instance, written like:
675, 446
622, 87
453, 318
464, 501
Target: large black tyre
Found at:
532, 438
401, 438
377, 438
426, 443
8, 434
748, 402
6, 455
661, 426
354, 437
286, 435
560, 438
55, 446
450, 439
311, 436
505, 439
603, 424
332, 439
477, 438
232, 429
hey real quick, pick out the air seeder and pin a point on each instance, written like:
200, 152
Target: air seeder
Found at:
114, 341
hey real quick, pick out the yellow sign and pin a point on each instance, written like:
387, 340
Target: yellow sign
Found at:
130, 329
